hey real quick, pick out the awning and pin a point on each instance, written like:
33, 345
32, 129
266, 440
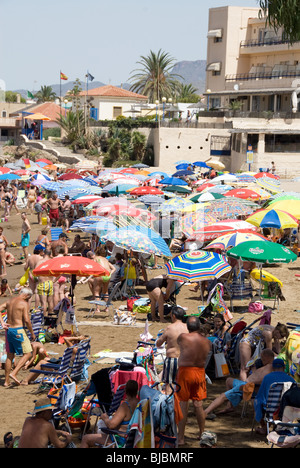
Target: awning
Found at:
248, 92
215, 33
214, 66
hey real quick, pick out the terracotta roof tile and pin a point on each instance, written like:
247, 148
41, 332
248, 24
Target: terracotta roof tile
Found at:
49, 109
113, 91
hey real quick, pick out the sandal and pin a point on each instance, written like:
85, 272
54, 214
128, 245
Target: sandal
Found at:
8, 440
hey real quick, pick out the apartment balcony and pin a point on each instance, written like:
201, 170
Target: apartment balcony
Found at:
272, 45
7, 122
265, 78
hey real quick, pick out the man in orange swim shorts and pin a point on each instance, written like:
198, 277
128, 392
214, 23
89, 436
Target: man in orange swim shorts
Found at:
194, 349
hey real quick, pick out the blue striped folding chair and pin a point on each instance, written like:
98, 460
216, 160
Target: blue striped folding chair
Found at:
37, 322
81, 359
273, 402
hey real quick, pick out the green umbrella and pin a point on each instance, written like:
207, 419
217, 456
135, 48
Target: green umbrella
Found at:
208, 196
176, 188
262, 252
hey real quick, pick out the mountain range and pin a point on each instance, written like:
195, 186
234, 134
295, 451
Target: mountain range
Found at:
191, 72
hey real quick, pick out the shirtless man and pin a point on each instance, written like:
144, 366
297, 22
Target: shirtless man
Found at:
66, 207
61, 242
33, 262
169, 336
194, 349
45, 288
78, 245
25, 238
234, 394
17, 341
54, 203
31, 198
39, 432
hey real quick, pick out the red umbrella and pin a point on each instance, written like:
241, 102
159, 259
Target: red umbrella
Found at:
86, 199
146, 191
265, 174
129, 170
70, 176
69, 265
211, 232
47, 161
245, 194
4, 170
204, 186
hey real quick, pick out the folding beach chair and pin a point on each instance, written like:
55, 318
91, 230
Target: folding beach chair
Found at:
80, 362
115, 293
37, 322
55, 232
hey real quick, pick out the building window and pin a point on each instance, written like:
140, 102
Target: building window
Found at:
216, 73
4, 114
117, 111
218, 39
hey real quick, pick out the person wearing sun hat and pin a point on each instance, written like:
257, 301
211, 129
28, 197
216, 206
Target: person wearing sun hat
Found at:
39, 432
278, 375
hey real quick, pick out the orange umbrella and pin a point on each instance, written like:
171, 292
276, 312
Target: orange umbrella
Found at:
37, 116
50, 167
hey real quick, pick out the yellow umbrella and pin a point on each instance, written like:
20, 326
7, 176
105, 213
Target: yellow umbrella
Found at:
290, 206
264, 195
216, 164
37, 116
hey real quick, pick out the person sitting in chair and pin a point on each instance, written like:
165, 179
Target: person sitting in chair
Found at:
119, 421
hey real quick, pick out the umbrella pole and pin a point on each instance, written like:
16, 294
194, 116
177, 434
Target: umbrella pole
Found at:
260, 280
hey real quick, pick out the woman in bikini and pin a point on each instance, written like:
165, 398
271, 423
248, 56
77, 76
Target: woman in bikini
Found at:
119, 421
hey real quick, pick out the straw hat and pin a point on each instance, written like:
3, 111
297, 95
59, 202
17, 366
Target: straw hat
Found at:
43, 404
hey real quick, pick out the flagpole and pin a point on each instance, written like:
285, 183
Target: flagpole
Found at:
60, 92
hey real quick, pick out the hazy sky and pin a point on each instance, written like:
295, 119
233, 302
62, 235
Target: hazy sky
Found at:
107, 38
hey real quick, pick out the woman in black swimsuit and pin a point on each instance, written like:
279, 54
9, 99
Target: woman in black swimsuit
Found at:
156, 296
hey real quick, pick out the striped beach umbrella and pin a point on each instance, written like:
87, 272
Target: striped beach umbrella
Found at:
197, 265
275, 219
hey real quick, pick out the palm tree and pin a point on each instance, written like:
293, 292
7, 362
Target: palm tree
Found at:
285, 14
45, 94
155, 79
73, 124
187, 93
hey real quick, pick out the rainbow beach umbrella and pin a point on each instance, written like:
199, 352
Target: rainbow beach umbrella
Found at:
275, 219
197, 265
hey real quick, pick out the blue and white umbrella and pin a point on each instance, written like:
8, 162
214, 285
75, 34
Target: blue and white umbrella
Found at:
172, 181
51, 186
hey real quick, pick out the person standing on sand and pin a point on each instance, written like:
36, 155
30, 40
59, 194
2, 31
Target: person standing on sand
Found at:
33, 262
169, 336
25, 237
194, 349
17, 341
54, 204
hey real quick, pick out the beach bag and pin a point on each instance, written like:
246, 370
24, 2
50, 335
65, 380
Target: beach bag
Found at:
124, 317
255, 307
131, 301
221, 366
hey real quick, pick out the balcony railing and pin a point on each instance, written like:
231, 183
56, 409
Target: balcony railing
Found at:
273, 75
266, 42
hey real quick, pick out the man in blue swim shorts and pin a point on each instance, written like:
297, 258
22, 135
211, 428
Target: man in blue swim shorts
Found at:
234, 394
17, 341
25, 238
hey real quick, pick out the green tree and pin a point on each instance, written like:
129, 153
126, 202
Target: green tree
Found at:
138, 145
187, 93
11, 96
45, 94
155, 78
73, 124
285, 14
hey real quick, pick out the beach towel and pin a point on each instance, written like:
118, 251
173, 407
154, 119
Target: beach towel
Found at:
142, 424
291, 354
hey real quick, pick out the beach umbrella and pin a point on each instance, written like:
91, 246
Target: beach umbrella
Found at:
269, 184
157, 174
263, 194
118, 188
233, 239
197, 265
130, 239
284, 197
182, 167
216, 164
224, 178
9, 176
205, 186
245, 194
86, 199
70, 176
201, 164
69, 265
139, 191
140, 166
172, 181
210, 232
222, 188
275, 219
262, 252
183, 173
177, 189
51, 186
4, 170
50, 167
44, 160
154, 236
183, 161
100, 227
37, 116
228, 208
245, 178
174, 204
206, 197
259, 175
290, 206
152, 200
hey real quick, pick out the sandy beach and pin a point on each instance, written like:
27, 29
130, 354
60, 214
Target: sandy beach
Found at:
17, 401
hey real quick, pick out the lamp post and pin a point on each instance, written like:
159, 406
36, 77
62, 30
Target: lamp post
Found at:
164, 100
208, 96
170, 100
66, 102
